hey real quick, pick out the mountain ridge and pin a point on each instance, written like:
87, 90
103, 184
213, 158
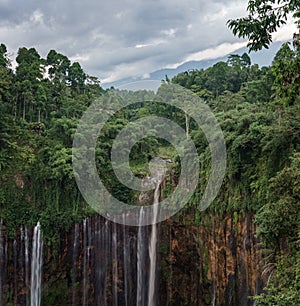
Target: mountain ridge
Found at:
262, 58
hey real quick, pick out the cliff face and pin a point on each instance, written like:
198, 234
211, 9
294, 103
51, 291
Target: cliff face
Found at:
213, 264
95, 263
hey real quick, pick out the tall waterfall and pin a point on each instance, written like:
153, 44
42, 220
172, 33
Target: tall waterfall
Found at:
115, 264
213, 302
153, 248
26, 245
36, 266
104, 263
141, 250
126, 260
75, 255
85, 275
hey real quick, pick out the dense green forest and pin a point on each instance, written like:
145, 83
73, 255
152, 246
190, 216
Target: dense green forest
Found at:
38, 118
258, 109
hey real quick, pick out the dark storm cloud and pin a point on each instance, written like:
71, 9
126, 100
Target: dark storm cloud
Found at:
119, 38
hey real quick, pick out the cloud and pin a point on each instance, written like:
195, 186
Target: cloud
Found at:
211, 53
285, 33
121, 38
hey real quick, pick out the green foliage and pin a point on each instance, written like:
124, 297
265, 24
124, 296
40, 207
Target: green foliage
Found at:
257, 109
59, 65
285, 68
39, 116
265, 17
278, 226
284, 287
56, 293
280, 217
223, 77
76, 77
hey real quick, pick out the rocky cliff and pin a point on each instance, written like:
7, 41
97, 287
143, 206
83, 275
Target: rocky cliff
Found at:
217, 262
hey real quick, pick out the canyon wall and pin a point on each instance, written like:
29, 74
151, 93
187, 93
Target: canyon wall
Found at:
217, 262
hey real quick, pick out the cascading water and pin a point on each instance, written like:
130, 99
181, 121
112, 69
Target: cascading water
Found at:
158, 172
153, 248
141, 254
213, 302
101, 264
85, 262
110, 264
26, 242
75, 254
115, 264
125, 260
120, 265
36, 266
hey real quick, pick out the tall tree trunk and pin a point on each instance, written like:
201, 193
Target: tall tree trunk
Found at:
187, 125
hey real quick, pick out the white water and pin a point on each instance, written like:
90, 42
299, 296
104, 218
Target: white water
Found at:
125, 260
36, 266
140, 261
213, 303
85, 276
75, 254
115, 264
153, 248
103, 245
26, 242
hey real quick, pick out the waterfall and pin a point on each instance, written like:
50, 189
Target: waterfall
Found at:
75, 254
213, 303
101, 264
153, 248
170, 277
105, 263
36, 266
125, 260
141, 248
115, 264
87, 243
26, 242
85, 276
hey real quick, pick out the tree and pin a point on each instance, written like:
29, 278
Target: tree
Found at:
29, 65
285, 68
238, 60
4, 61
265, 17
29, 73
239, 68
278, 226
76, 77
5, 76
6, 81
59, 65
216, 80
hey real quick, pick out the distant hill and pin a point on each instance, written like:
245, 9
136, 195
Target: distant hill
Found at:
262, 58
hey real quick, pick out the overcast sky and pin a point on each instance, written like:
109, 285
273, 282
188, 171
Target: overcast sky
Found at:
115, 39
